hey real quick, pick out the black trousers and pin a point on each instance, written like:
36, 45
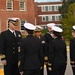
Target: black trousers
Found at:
73, 69
11, 69
32, 72
59, 69
42, 71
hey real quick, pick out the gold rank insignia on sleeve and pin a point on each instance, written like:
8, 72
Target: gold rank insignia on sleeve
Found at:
43, 41
18, 63
2, 56
45, 58
18, 49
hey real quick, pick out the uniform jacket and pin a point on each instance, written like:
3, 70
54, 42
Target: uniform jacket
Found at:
43, 46
48, 39
72, 51
57, 52
9, 46
30, 55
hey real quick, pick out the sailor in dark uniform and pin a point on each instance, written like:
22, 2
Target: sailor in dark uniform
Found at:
57, 53
9, 46
30, 54
37, 34
48, 37
72, 50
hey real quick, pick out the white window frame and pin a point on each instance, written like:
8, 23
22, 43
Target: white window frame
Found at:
56, 17
56, 7
45, 17
11, 5
22, 24
24, 7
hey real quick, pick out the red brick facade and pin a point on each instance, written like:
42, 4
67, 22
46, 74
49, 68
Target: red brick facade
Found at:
40, 13
28, 14
31, 14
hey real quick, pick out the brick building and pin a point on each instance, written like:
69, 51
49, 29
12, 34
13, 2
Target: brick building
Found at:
29, 11
23, 9
47, 12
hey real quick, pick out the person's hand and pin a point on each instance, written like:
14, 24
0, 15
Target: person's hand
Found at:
50, 69
4, 62
21, 73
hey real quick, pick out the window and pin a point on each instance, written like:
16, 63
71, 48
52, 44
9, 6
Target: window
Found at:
43, 8
50, 8
22, 24
9, 5
45, 18
46, 8
58, 18
53, 18
22, 6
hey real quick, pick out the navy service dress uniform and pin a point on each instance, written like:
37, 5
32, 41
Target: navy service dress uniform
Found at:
9, 46
57, 54
48, 37
30, 55
43, 44
72, 51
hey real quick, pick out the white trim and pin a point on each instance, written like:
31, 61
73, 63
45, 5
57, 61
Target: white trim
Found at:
47, 18
49, 15
20, 24
50, 5
6, 24
24, 6
6, 6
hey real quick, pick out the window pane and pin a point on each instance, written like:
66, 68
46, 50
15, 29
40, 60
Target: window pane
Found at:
53, 18
22, 25
52, 8
46, 18
22, 5
43, 18
46, 8
9, 4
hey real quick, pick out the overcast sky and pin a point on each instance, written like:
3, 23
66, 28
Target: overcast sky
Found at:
46, 0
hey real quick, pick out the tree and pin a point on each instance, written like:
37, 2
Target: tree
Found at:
68, 21
65, 6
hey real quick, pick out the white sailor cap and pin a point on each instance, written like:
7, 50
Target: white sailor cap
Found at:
50, 25
29, 26
38, 28
73, 27
57, 29
14, 21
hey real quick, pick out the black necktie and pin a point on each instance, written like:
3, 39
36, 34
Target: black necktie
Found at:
14, 34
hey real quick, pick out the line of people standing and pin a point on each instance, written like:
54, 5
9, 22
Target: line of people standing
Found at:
27, 56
